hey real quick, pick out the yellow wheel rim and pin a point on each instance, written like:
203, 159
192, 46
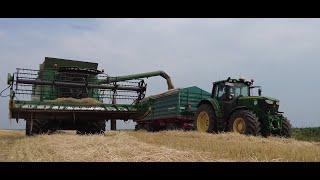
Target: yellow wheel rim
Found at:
203, 121
239, 125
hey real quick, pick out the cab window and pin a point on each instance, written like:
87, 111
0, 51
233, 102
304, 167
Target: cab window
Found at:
221, 91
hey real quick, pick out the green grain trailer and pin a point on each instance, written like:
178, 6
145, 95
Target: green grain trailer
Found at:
173, 109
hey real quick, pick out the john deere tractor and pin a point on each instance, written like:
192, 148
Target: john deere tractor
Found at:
233, 107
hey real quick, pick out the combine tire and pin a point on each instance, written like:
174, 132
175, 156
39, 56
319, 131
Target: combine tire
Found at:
286, 128
244, 122
38, 127
204, 119
95, 127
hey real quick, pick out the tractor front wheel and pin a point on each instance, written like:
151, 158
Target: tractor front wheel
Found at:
286, 128
204, 119
244, 122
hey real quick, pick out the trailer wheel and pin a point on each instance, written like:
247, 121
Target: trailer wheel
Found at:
149, 127
172, 126
204, 119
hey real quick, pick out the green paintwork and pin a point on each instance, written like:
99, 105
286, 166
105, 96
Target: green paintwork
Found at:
174, 103
64, 70
64, 106
268, 115
9, 79
259, 98
49, 63
137, 76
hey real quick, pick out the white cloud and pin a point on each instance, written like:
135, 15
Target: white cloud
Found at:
2, 34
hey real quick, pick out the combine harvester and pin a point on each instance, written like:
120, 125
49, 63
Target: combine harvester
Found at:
73, 95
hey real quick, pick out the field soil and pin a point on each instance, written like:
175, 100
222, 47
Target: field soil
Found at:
168, 146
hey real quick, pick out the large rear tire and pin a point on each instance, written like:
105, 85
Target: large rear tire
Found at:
205, 119
244, 122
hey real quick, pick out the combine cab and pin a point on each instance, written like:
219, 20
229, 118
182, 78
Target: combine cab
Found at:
75, 95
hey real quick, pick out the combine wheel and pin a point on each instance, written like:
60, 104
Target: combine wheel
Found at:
95, 127
244, 122
39, 126
204, 119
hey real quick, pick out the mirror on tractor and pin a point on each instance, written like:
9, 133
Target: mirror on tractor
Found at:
259, 91
256, 87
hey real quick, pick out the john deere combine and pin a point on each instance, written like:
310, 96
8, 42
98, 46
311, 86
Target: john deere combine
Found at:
233, 107
75, 95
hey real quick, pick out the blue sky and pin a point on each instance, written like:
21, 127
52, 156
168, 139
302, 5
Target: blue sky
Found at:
282, 55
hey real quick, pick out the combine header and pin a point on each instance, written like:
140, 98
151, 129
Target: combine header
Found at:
75, 95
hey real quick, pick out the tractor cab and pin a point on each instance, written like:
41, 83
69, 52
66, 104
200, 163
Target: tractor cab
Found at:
233, 88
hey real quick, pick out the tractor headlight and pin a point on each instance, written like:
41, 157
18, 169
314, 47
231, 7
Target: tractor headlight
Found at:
277, 103
268, 101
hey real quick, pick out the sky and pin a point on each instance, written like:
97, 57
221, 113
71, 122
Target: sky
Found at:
281, 55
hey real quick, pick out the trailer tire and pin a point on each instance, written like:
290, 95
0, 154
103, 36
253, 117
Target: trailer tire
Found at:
172, 126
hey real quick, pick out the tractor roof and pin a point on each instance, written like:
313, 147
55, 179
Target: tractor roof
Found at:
240, 80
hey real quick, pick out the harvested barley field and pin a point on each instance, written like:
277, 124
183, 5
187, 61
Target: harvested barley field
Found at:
161, 146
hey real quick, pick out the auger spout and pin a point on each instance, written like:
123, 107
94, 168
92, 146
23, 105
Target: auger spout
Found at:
163, 74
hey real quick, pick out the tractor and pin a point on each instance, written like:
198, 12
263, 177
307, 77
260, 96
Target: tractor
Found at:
234, 107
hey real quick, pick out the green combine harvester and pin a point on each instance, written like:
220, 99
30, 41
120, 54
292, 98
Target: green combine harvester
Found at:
74, 95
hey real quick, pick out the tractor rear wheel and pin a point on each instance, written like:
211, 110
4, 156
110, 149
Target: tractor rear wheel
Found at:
244, 122
204, 119
286, 129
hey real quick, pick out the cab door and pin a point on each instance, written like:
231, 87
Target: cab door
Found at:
226, 100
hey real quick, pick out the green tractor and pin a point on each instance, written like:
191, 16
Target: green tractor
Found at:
233, 107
